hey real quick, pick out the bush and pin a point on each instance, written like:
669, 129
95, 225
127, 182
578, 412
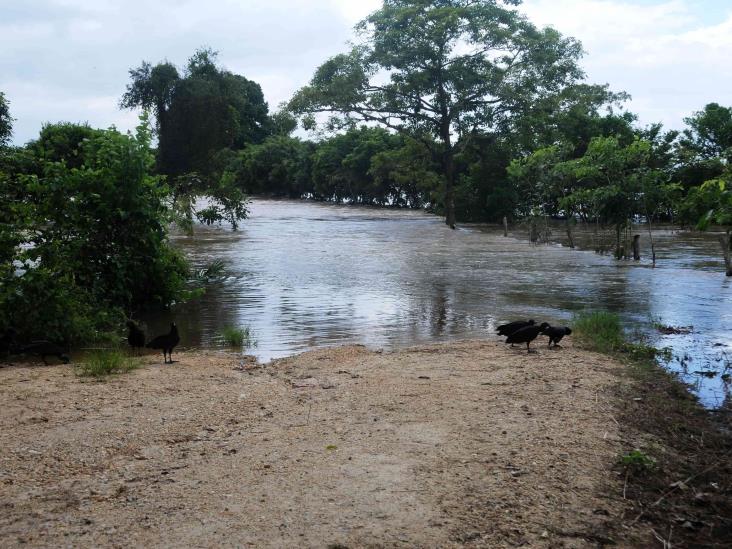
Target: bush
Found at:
83, 239
106, 362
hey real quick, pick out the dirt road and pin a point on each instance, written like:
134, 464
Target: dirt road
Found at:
466, 444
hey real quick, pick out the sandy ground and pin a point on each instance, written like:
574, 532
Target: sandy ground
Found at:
466, 444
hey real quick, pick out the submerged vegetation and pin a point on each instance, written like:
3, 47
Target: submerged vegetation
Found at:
237, 337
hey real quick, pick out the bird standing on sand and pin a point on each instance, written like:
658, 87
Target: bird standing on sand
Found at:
7, 342
511, 327
556, 334
135, 337
166, 343
44, 349
527, 335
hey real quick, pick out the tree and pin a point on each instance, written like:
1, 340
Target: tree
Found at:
710, 132
613, 183
440, 71
6, 121
198, 114
87, 243
711, 204
278, 167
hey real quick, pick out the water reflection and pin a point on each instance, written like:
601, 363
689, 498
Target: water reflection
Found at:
305, 274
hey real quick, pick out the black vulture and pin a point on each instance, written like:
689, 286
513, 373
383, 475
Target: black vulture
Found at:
166, 343
7, 342
44, 349
135, 337
556, 334
527, 335
511, 327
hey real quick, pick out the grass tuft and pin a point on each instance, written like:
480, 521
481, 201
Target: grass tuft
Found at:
106, 362
234, 336
600, 331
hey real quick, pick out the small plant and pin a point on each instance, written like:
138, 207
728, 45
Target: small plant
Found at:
234, 336
214, 270
600, 331
637, 461
106, 362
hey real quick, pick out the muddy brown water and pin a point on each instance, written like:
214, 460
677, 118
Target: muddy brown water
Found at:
304, 275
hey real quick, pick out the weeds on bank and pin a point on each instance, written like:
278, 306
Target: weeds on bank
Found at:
603, 332
637, 461
684, 485
238, 337
106, 362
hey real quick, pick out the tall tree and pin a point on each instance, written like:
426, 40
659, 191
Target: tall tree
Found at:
6, 121
440, 70
709, 133
199, 113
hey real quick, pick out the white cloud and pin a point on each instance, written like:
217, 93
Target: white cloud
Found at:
663, 54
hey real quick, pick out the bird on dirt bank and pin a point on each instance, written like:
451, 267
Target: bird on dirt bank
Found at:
511, 327
166, 343
135, 336
556, 334
44, 349
7, 342
527, 335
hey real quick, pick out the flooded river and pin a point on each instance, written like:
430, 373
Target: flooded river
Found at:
303, 274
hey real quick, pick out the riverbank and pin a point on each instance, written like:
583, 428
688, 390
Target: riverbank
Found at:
466, 444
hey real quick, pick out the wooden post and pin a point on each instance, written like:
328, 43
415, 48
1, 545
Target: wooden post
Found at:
726, 243
533, 232
636, 247
505, 226
569, 236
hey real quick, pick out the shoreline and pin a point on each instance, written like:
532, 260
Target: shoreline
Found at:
461, 444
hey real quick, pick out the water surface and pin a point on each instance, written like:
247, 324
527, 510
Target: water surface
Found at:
304, 274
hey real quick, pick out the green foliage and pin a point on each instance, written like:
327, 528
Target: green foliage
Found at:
600, 331
198, 114
637, 462
453, 67
234, 336
83, 234
215, 270
101, 364
280, 166
6, 121
710, 132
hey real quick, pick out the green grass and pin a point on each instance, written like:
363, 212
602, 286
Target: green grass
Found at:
600, 331
234, 336
103, 363
637, 461
603, 332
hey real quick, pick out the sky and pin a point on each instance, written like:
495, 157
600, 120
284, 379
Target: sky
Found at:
68, 60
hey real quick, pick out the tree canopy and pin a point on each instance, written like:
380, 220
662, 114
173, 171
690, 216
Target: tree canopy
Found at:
441, 72
6, 121
198, 113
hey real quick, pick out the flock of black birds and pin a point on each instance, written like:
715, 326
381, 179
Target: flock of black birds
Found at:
520, 331
526, 331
